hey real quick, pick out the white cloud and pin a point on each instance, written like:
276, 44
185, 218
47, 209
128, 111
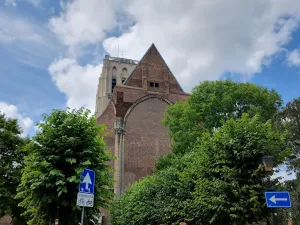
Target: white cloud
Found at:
293, 57
13, 3
199, 39
31, 42
11, 111
203, 39
17, 29
35, 3
84, 22
10, 3
79, 83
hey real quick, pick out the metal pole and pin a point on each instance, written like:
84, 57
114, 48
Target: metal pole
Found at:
121, 157
57, 214
82, 215
275, 216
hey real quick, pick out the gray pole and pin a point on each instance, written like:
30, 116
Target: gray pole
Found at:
119, 131
82, 215
121, 157
275, 216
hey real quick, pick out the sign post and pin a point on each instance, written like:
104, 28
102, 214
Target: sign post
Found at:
85, 196
278, 199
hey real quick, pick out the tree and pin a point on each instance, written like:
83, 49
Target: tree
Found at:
289, 119
293, 186
68, 142
220, 182
11, 163
212, 102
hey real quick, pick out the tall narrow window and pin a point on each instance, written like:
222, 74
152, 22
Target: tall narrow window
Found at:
113, 84
124, 72
114, 80
124, 75
114, 72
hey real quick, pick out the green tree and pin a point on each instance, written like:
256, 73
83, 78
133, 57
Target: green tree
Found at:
289, 119
11, 163
220, 182
212, 102
68, 142
293, 186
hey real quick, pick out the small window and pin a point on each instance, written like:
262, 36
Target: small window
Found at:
154, 84
113, 84
123, 79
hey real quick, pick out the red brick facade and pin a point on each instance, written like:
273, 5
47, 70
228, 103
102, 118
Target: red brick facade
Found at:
6, 220
142, 101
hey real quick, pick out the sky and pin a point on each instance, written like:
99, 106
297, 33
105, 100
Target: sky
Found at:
51, 51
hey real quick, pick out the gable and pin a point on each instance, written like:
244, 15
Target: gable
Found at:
153, 74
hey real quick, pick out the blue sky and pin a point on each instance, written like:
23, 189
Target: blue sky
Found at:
51, 51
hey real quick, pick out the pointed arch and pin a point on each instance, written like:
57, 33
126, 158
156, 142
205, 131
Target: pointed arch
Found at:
124, 74
147, 97
114, 78
114, 72
145, 138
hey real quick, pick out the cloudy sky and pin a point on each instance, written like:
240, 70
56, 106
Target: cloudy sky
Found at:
51, 50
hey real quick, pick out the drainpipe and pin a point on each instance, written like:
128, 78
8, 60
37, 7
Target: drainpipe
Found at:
118, 163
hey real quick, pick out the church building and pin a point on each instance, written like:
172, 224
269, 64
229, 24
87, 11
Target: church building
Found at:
131, 101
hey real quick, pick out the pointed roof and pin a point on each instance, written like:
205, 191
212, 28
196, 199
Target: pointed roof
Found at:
152, 66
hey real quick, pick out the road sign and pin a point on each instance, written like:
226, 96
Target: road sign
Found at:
85, 200
87, 184
280, 199
85, 196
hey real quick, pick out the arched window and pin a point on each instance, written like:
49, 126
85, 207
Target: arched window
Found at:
114, 72
124, 75
113, 84
114, 78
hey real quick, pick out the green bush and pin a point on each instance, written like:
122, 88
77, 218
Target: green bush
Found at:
219, 182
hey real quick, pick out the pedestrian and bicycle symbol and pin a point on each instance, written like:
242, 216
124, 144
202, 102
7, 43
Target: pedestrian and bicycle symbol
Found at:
85, 200
280, 199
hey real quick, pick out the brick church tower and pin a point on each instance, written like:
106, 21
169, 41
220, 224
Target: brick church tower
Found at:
131, 101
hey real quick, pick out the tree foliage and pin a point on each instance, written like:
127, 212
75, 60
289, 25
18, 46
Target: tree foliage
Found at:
68, 142
11, 163
293, 186
219, 182
212, 102
289, 119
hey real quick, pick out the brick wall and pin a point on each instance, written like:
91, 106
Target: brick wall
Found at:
6, 220
143, 108
152, 68
146, 138
108, 119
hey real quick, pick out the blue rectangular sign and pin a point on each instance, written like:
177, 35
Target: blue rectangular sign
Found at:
280, 199
87, 182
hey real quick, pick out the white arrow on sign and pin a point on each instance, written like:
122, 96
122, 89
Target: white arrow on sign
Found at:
274, 199
87, 181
